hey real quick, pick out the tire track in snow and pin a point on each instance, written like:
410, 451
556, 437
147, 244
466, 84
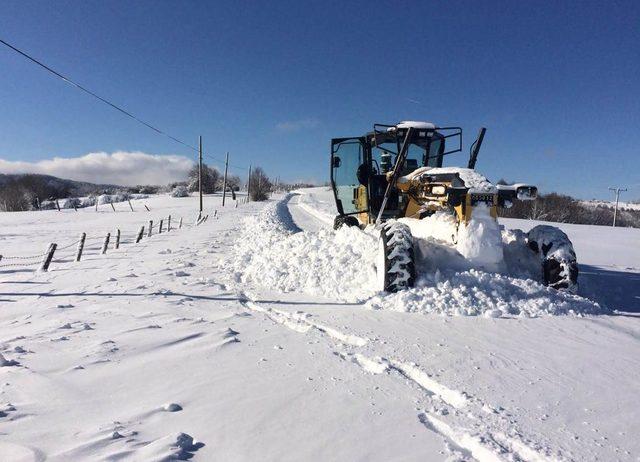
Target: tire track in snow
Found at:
482, 446
299, 323
474, 446
451, 397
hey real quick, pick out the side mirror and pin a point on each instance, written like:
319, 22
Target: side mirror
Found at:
507, 193
335, 162
526, 192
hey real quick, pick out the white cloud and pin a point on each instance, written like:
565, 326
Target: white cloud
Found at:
295, 125
121, 167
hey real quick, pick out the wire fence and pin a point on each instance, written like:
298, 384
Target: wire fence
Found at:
85, 245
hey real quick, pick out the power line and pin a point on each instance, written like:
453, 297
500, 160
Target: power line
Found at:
104, 100
80, 87
221, 162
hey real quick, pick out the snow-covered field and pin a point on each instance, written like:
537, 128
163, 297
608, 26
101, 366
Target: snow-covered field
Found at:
258, 336
611, 204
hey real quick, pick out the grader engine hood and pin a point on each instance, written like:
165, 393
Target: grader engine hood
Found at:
440, 183
462, 189
435, 182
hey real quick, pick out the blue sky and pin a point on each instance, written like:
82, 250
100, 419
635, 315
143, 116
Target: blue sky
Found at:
555, 83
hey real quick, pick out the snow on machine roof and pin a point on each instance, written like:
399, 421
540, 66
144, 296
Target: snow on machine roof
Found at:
413, 124
416, 124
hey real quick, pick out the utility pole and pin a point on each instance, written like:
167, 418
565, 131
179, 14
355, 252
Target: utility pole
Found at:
200, 171
615, 210
249, 185
224, 181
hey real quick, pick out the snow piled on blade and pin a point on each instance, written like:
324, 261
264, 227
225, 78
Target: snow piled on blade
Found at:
480, 241
475, 292
274, 253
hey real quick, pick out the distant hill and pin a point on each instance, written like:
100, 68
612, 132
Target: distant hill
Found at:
20, 192
64, 187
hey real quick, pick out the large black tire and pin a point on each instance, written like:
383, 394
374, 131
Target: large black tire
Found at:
559, 263
345, 220
395, 264
560, 274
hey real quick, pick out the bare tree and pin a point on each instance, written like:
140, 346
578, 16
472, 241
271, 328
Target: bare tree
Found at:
14, 197
234, 182
210, 179
259, 185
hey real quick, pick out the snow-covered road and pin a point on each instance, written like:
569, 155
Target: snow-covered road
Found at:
207, 318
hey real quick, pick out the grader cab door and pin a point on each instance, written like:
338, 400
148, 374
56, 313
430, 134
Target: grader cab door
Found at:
347, 156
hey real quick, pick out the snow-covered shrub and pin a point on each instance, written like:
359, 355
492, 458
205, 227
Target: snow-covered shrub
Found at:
47, 205
89, 201
104, 199
70, 203
180, 191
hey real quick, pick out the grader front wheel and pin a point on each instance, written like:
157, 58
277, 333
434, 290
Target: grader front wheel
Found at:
395, 265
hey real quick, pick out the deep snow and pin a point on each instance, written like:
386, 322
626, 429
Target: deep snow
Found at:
186, 345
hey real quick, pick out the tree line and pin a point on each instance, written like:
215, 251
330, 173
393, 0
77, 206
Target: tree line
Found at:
28, 191
566, 209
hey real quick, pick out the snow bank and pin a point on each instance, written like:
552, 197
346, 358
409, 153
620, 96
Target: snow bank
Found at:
274, 253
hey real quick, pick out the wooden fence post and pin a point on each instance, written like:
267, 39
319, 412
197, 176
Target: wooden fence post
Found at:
140, 233
117, 238
105, 243
169, 224
180, 225
83, 236
150, 228
48, 257
160, 229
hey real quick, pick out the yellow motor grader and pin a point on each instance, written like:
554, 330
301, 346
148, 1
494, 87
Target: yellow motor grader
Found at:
396, 172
